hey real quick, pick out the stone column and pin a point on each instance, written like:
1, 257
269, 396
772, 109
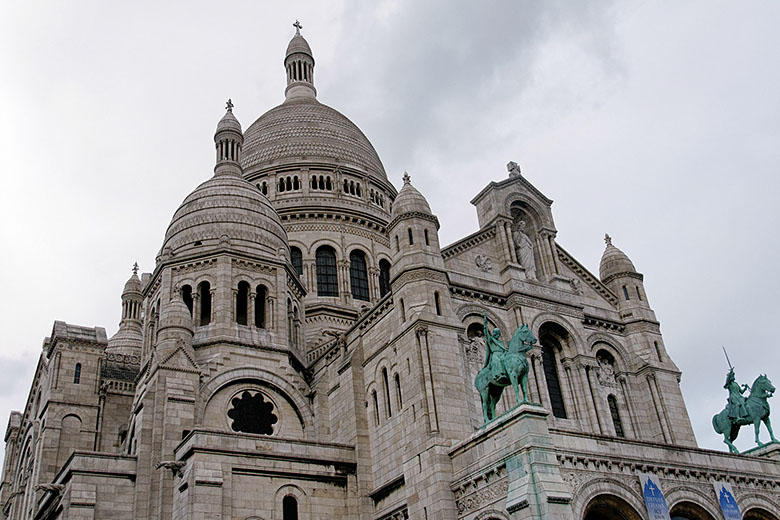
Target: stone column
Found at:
572, 395
587, 393
628, 406
501, 235
596, 395
512, 252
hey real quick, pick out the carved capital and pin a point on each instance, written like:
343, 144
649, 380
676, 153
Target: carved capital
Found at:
422, 332
622, 379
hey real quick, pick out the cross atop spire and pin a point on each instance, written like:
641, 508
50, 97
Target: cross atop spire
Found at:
607, 239
229, 105
298, 27
135, 268
407, 179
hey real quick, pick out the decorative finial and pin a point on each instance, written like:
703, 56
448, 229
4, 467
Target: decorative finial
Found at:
407, 179
229, 105
298, 27
607, 239
135, 268
513, 168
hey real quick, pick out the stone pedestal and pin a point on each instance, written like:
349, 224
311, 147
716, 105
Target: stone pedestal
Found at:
770, 450
517, 444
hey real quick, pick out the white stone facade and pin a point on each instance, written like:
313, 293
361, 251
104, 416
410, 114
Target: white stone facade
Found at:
306, 348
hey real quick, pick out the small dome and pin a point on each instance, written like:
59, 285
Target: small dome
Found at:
127, 341
133, 285
298, 44
229, 121
226, 211
614, 261
175, 314
410, 200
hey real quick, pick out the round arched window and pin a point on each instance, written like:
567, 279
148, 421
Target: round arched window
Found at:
252, 412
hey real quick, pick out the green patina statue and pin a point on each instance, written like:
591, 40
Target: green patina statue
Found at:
503, 367
740, 411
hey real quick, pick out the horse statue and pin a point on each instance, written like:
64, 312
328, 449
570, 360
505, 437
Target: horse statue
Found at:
740, 411
503, 367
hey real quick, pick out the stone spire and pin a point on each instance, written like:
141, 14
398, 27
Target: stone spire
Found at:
229, 140
299, 65
128, 338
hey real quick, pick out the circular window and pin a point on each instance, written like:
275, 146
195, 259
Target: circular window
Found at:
252, 412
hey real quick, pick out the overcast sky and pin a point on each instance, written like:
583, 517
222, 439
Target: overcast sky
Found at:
657, 122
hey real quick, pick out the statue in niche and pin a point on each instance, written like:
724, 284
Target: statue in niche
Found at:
524, 248
606, 373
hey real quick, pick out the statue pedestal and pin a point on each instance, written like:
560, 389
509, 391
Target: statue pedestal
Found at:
516, 446
770, 450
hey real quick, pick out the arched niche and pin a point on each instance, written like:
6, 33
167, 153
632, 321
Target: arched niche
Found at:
253, 406
274, 382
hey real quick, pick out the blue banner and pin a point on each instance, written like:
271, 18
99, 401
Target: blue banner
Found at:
654, 498
728, 504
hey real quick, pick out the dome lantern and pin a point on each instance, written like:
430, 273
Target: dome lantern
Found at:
229, 140
128, 338
299, 65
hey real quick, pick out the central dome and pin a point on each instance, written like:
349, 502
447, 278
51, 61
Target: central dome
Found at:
304, 130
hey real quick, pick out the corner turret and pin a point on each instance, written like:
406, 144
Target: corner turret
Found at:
619, 274
129, 339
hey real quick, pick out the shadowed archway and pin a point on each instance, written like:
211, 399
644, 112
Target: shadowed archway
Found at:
610, 507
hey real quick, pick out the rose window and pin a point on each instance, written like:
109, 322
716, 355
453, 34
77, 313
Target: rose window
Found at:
251, 413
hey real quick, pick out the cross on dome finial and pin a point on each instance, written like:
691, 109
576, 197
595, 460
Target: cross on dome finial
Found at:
607, 239
229, 105
135, 268
298, 27
407, 179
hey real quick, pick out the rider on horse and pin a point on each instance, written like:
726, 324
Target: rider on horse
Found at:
736, 403
494, 351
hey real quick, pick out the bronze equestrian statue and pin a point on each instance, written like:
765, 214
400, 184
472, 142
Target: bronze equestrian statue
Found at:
503, 367
740, 411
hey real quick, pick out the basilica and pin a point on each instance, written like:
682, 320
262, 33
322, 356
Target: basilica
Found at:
306, 348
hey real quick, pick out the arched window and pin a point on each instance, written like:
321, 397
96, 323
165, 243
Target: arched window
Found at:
411, 238
242, 303
397, 244
204, 291
384, 277
314, 182
260, 296
550, 365
376, 407
328, 185
264, 189
398, 391
427, 242
386, 384
186, 295
77, 374
296, 257
358, 275
437, 303
625, 292
289, 508
327, 279
613, 411
403, 310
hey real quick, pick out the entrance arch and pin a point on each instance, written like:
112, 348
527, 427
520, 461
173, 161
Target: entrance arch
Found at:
610, 507
757, 513
689, 511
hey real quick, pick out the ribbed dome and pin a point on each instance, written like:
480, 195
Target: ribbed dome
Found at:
225, 211
303, 129
410, 200
127, 341
614, 261
298, 44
